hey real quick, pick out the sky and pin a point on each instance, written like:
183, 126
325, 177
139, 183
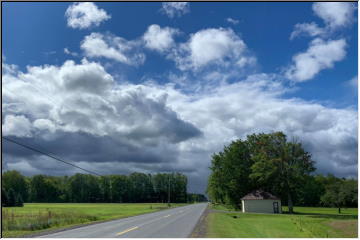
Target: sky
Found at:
154, 87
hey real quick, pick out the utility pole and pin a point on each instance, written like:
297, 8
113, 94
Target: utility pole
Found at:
169, 191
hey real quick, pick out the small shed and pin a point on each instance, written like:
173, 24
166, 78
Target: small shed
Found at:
259, 201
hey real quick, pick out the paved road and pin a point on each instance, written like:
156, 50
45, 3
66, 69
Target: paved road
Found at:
171, 223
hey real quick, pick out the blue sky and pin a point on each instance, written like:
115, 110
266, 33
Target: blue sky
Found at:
198, 59
34, 34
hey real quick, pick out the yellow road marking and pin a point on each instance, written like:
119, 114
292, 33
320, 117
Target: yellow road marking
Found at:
127, 230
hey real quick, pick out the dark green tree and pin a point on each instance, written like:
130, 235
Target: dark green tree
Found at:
279, 165
17, 182
11, 198
4, 198
229, 179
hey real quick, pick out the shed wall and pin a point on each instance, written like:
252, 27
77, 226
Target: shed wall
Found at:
259, 206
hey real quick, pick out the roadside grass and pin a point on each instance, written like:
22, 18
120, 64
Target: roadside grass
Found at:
39, 217
305, 223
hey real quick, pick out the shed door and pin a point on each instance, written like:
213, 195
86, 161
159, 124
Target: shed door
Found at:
276, 207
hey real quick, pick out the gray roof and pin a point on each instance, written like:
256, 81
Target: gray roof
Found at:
259, 195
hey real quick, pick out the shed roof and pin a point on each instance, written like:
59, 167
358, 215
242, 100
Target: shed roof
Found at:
259, 195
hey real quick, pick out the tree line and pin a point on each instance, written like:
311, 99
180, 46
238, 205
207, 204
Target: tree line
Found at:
86, 188
274, 164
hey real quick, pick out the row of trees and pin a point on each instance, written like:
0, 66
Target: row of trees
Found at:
86, 188
284, 168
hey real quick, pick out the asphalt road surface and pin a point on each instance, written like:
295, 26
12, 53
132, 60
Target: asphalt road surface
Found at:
171, 223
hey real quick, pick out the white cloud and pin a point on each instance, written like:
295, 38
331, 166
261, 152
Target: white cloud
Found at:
18, 126
68, 52
320, 55
112, 47
232, 20
84, 15
311, 29
85, 98
158, 38
175, 9
335, 14
44, 124
149, 127
212, 46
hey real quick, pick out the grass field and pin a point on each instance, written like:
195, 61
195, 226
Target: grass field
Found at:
38, 217
307, 222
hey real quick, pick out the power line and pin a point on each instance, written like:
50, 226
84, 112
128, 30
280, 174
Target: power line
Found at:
48, 155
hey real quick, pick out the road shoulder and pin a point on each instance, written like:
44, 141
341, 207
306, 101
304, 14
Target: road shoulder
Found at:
200, 229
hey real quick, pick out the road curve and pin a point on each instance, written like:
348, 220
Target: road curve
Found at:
171, 223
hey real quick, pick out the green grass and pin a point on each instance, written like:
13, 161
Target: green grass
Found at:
38, 217
307, 222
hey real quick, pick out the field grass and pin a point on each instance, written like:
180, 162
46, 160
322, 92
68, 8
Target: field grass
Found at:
306, 222
38, 217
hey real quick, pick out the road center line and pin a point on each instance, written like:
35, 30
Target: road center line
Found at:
127, 230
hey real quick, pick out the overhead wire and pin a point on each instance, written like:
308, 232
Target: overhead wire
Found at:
48, 155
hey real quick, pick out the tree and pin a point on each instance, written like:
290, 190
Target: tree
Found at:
19, 202
340, 193
11, 198
15, 181
279, 165
195, 197
138, 187
229, 179
4, 198
310, 192
266, 161
333, 196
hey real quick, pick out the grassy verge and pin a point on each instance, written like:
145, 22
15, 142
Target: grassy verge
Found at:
307, 222
38, 217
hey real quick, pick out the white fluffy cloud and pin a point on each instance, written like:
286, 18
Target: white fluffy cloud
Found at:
335, 14
112, 47
150, 127
320, 55
175, 9
18, 126
212, 46
85, 98
84, 15
159, 39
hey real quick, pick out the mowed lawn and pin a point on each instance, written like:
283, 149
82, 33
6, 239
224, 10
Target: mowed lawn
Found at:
38, 217
307, 222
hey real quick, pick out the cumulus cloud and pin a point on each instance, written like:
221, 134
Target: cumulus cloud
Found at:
112, 47
334, 14
18, 126
84, 15
175, 9
153, 128
85, 98
211, 46
159, 39
320, 55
